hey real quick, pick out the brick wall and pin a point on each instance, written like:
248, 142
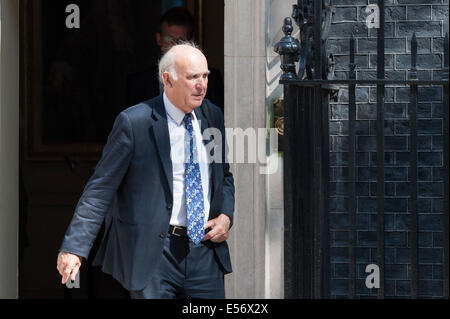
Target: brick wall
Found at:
429, 20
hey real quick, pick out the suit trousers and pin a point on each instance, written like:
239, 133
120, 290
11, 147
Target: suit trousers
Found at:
186, 271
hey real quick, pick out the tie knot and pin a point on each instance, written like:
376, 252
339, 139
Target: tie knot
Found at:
188, 118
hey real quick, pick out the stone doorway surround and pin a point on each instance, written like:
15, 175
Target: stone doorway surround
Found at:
9, 147
256, 237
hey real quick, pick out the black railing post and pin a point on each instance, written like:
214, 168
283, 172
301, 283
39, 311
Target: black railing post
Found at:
446, 165
380, 149
413, 172
306, 109
317, 131
352, 172
288, 49
292, 256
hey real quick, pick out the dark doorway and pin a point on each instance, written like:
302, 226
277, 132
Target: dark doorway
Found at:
62, 136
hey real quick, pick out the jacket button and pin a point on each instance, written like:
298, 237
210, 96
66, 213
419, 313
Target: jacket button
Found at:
169, 206
162, 235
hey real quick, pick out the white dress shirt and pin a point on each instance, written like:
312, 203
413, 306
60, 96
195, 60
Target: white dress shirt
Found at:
179, 137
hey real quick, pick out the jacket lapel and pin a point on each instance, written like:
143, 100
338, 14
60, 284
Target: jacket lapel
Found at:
203, 116
161, 133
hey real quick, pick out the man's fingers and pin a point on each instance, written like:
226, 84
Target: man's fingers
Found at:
69, 271
219, 238
209, 224
219, 230
60, 265
207, 236
68, 266
74, 272
65, 276
211, 234
216, 235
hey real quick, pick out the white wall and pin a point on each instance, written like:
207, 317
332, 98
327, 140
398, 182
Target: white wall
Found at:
244, 108
252, 72
276, 11
9, 147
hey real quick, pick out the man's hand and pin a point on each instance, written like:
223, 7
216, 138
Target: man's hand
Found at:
219, 229
68, 265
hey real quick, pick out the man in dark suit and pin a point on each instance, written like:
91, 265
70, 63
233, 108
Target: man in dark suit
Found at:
167, 237
177, 24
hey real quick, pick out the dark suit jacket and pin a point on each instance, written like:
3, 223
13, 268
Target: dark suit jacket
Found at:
135, 171
145, 85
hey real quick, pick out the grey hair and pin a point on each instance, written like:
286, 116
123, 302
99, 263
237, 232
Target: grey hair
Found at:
167, 62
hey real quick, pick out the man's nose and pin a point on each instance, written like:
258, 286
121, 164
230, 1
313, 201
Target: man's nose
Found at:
201, 83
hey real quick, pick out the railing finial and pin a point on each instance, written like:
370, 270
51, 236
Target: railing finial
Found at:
288, 48
287, 27
413, 70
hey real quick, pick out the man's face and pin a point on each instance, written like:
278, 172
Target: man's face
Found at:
189, 89
171, 35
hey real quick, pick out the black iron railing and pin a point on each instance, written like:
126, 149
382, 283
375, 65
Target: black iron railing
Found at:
306, 158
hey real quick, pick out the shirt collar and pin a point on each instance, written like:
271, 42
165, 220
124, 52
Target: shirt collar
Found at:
174, 112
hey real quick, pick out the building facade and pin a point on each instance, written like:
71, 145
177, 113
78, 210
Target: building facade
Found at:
252, 99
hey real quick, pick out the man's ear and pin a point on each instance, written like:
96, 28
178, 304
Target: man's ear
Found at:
158, 38
166, 79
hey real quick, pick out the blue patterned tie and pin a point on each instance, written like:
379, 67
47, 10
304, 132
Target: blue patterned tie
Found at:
193, 186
